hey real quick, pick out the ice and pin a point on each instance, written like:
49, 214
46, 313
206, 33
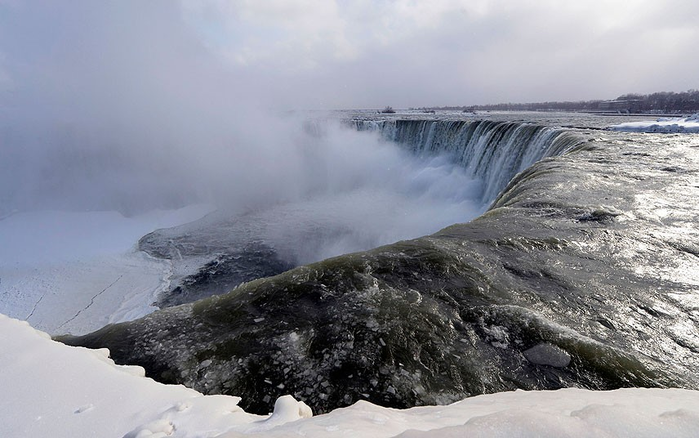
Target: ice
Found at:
74, 272
48, 237
50, 389
548, 354
664, 125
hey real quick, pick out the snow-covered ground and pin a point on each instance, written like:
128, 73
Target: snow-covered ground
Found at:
74, 272
664, 125
53, 390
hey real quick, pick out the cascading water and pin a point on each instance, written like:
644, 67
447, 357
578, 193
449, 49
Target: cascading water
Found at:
583, 273
442, 172
491, 151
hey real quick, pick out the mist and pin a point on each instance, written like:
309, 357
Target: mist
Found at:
115, 106
344, 191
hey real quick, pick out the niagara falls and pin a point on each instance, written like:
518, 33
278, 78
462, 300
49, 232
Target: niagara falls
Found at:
337, 219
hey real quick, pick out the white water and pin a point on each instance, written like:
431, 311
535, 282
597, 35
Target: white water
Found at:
492, 152
358, 193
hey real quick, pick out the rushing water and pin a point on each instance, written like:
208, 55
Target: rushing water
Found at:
583, 272
425, 175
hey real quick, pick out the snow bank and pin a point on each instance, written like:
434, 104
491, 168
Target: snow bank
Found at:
74, 272
50, 389
664, 125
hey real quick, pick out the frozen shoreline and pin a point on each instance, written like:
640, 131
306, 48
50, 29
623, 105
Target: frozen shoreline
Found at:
74, 272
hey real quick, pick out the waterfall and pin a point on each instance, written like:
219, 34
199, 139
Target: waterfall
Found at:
491, 151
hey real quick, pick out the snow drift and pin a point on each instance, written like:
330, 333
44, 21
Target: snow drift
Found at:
50, 389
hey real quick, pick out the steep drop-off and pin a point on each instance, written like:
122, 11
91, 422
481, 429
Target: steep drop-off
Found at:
584, 272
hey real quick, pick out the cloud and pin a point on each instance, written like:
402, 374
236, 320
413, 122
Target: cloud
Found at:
362, 53
451, 51
298, 35
339, 54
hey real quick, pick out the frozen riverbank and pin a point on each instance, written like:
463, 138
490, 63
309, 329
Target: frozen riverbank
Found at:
73, 272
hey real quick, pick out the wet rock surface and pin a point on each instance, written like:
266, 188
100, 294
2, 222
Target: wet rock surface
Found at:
583, 273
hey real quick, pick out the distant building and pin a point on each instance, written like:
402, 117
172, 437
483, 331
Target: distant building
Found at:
624, 105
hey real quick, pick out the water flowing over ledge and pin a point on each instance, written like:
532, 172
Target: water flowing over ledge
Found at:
583, 273
423, 175
491, 151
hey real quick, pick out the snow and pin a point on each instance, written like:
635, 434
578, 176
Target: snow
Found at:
74, 272
50, 389
664, 125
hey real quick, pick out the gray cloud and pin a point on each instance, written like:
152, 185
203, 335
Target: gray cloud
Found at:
311, 54
366, 54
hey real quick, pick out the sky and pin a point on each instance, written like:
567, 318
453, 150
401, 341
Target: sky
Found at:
337, 54
368, 53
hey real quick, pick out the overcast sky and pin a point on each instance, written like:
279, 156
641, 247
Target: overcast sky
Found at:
329, 54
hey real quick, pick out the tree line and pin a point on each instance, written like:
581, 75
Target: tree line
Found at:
666, 102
